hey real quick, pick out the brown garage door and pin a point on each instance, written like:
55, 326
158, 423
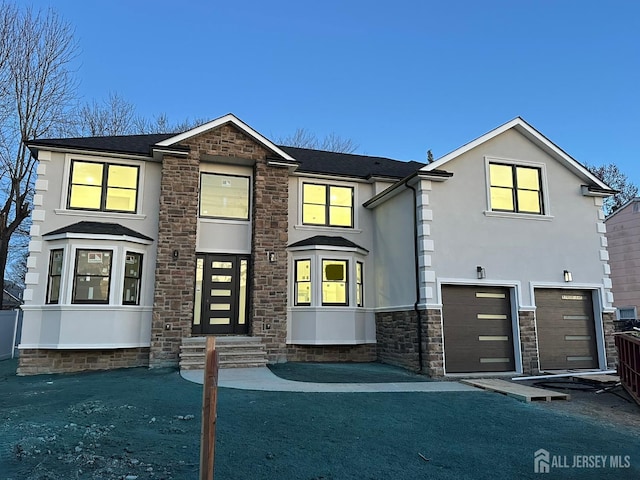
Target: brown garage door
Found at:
478, 335
566, 329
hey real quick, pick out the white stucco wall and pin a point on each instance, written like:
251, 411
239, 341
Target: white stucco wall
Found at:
457, 232
60, 326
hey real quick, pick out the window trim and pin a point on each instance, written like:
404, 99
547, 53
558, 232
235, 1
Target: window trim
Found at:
627, 307
50, 276
296, 282
346, 282
103, 186
359, 285
544, 189
327, 205
217, 217
139, 277
74, 301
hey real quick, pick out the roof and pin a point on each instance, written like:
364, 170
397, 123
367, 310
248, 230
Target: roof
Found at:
326, 240
99, 228
537, 138
351, 165
309, 161
623, 207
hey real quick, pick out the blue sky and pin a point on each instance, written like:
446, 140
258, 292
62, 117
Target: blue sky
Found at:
397, 77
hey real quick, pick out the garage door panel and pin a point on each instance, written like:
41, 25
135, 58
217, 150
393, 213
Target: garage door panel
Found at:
566, 329
477, 329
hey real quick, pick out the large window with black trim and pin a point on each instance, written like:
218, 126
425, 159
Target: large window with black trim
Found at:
55, 275
516, 188
224, 196
327, 205
92, 276
103, 186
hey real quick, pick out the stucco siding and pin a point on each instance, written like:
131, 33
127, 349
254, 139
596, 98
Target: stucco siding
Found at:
512, 248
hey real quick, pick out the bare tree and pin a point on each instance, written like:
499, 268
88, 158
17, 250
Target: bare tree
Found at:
611, 175
36, 52
303, 138
113, 116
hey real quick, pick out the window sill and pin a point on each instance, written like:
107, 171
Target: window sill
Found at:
228, 221
521, 216
91, 213
320, 228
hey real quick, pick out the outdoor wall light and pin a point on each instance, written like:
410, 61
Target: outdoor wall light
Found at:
176, 253
567, 276
480, 271
272, 257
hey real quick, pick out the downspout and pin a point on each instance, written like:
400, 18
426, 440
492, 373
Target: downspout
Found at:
417, 271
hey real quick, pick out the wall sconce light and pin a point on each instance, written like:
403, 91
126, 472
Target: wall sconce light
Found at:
175, 254
567, 276
480, 271
272, 257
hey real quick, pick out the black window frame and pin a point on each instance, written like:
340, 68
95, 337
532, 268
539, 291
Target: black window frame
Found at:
75, 276
360, 284
51, 275
327, 205
103, 186
514, 189
128, 276
346, 282
297, 282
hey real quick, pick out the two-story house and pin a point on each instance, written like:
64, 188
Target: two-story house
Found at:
491, 259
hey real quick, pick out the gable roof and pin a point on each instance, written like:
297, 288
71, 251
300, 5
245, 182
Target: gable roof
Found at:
534, 136
99, 228
218, 122
306, 160
623, 207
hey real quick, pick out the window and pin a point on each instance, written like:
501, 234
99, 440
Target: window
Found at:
626, 313
224, 196
303, 282
132, 276
515, 189
359, 289
103, 186
92, 276
334, 282
55, 275
327, 205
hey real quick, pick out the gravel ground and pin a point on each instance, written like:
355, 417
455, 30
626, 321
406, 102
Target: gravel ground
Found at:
145, 424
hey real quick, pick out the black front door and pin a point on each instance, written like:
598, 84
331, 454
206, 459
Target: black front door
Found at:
221, 306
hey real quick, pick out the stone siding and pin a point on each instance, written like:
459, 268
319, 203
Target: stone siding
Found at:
178, 219
332, 353
41, 361
397, 337
529, 343
608, 324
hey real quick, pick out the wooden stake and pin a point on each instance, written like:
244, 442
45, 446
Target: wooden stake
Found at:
209, 405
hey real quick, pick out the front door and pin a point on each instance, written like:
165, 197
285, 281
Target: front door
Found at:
220, 305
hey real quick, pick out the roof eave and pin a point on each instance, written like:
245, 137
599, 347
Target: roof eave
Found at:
391, 191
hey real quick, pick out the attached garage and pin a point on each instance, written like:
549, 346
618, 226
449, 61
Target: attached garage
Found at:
566, 329
478, 332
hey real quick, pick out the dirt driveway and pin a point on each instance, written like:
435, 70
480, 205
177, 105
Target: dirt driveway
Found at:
142, 424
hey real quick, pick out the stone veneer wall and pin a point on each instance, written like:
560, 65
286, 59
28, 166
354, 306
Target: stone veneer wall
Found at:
608, 324
39, 361
270, 209
529, 343
397, 340
332, 353
177, 229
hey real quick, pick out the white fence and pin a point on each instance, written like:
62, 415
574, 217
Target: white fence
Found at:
10, 327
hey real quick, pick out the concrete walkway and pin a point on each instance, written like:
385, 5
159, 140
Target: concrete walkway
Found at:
261, 378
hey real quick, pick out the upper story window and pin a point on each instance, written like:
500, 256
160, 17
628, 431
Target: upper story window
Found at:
92, 277
103, 186
224, 196
327, 205
516, 188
